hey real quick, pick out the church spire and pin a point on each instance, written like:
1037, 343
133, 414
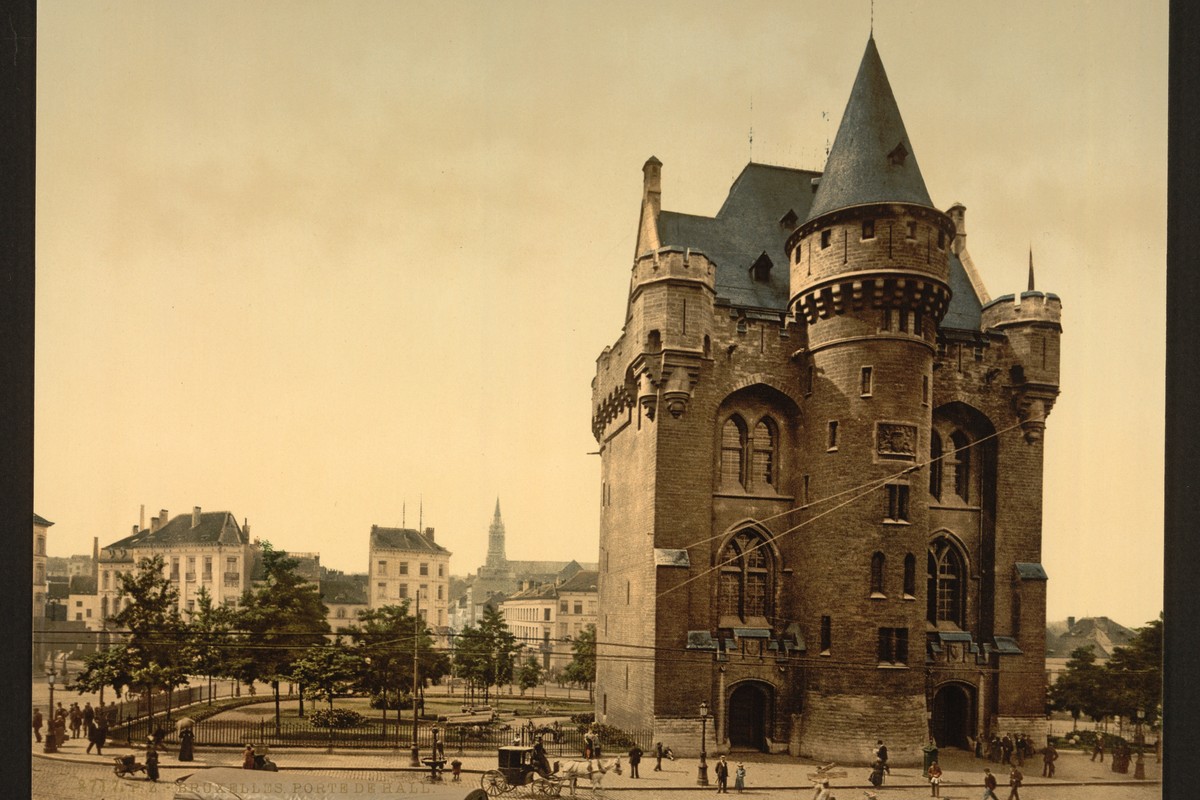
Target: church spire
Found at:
872, 159
496, 559
1031, 268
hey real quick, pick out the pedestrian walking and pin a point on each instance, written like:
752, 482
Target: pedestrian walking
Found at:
722, 776
1014, 781
881, 753
989, 785
37, 728
658, 754
101, 735
935, 780
635, 758
151, 762
876, 776
1019, 749
89, 714
59, 729
739, 778
90, 730
1098, 748
1049, 756
248, 757
1006, 750
187, 742
589, 745
456, 770
76, 717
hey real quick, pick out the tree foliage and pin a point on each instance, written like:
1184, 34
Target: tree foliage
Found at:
326, 670
1131, 680
485, 656
582, 669
530, 674
107, 667
154, 644
383, 643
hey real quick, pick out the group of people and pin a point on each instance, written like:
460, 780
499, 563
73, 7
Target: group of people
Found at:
722, 771
1010, 749
85, 721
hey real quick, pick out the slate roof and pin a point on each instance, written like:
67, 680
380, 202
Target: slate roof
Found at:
965, 311
215, 527
1102, 634
39, 520
82, 584
747, 225
403, 539
344, 589
586, 580
872, 159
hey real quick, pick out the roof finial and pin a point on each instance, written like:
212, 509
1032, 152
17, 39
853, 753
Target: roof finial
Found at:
751, 127
1031, 267
403, 508
421, 517
872, 36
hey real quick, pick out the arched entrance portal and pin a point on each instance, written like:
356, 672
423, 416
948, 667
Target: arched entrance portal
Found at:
749, 712
953, 714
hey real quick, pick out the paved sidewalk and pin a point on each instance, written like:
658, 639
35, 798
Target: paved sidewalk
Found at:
762, 771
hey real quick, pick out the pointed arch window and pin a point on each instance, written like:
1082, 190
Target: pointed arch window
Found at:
960, 462
910, 576
947, 579
733, 435
762, 455
744, 587
935, 465
877, 564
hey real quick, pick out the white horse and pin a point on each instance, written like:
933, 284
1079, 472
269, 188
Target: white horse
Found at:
594, 770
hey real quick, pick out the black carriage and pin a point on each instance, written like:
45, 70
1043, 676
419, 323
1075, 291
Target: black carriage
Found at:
515, 768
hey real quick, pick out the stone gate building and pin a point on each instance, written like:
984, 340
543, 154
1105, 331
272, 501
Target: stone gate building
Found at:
822, 458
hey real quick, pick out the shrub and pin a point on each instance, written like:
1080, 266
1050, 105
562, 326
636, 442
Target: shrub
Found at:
584, 719
395, 701
610, 737
336, 718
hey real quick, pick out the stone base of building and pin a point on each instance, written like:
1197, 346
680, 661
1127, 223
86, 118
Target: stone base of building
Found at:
1036, 728
844, 728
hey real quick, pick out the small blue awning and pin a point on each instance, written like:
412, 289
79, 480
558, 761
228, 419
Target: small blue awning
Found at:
1007, 646
700, 640
954, 636
1028, 571
752, 633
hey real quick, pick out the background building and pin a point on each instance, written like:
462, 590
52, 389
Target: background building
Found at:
202, 550
41, 527
546, 617
822, 454
404, 562
1101, 634
344, 596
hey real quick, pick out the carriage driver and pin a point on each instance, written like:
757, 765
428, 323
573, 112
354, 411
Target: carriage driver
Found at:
540, 762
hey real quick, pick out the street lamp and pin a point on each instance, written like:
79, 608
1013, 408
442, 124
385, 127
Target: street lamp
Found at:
51, 744
1139, 769
702, 770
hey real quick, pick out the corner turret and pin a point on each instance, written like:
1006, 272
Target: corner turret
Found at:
1032, 324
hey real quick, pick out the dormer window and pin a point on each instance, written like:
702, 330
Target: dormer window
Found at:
760, 270
898, 155
789, 219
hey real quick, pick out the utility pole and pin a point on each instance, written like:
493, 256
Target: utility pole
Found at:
416, 760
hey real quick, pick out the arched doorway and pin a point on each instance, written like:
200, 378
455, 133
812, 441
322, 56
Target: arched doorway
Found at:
953, 714
749, 711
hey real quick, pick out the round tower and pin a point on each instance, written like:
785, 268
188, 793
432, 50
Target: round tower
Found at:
869, 276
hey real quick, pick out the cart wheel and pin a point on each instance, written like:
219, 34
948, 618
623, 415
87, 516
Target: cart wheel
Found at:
120, 773
553, 788
493, 782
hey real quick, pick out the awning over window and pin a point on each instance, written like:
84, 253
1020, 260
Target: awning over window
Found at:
666, 557
1007, 646
1028, 571
751, 633
701, 640
954, 636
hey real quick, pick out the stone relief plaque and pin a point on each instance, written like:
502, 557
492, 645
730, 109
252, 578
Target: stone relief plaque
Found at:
895, 440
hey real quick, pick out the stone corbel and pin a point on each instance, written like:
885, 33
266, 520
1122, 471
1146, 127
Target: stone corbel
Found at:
677, 394
1032, 405
647, 395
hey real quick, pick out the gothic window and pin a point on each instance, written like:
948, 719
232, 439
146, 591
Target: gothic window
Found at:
893, 645
731, 451
762, 457
910, 575
960, 460
897, 494
749, 459
877, 575
935, 465
743, 588
947, 578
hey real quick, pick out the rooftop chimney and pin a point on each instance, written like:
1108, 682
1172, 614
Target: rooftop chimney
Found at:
429, 534
154, 523
958, 213
245, 525
1070, 623
142, 518
136, 528
195, 516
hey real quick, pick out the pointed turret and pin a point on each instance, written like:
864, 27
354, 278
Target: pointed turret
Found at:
1031, 269
872, 160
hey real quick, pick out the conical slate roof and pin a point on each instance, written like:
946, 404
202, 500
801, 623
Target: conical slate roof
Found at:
872, 160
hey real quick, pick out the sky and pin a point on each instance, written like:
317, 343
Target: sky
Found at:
329, 265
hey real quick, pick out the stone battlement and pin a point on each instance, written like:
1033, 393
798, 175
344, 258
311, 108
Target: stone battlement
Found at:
1032, 307
668, 263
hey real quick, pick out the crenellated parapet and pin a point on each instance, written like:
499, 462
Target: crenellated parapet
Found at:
1032, 308
672, 264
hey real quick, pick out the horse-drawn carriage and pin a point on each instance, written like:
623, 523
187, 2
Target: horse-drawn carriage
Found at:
515, 768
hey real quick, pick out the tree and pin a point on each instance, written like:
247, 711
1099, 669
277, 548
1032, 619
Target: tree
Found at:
277, 622
530, 674
327, 670
156, 637
1134, 674
582, 669
383, 639
485, 656
208, 639
1077, 689
103, 668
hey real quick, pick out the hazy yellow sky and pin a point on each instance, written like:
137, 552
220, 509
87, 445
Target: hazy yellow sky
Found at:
311, 262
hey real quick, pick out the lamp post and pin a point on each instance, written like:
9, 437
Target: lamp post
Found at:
416, 753
1139, 769
51, 745
702, 770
